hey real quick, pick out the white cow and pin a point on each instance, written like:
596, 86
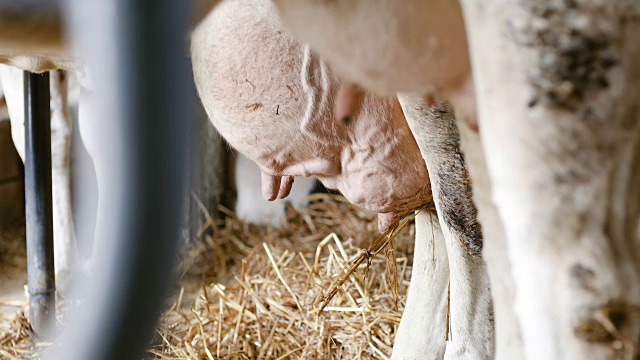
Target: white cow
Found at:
369, 144
271, 98
557, 84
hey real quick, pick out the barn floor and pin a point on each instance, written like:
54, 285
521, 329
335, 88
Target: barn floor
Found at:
15, 342
261, 300
13, 275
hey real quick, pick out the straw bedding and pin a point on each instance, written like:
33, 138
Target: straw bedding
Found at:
253, 292
15, 330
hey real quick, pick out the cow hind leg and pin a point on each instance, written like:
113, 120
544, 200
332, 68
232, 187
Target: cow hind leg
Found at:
558, 84
471, 332
494, 250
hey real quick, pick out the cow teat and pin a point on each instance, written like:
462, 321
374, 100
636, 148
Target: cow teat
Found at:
270, 186
285, 187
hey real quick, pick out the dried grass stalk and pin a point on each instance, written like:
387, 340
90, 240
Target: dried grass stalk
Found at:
248, 291
272, 291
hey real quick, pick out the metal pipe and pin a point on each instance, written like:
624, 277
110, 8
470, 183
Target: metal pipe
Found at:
39, 214
135, 52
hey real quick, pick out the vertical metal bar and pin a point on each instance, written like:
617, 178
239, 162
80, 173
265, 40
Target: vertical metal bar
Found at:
39, 214
135, 53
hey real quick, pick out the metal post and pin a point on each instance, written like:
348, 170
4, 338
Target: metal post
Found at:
39, 215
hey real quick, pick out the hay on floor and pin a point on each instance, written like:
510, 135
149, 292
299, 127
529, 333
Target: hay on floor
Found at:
250, 292
15, 336
15, 330
264, 303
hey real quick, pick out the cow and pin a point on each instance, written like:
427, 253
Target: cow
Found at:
566, 115
277, 186
271, 98
555, 85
